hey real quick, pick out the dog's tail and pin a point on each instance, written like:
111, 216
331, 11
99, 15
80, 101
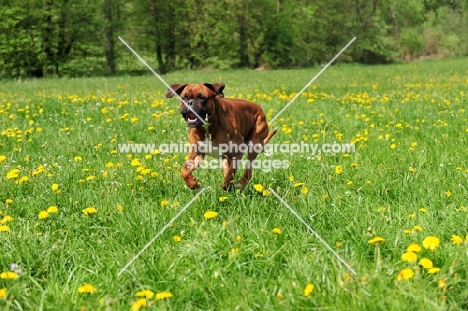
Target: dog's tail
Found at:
270, 135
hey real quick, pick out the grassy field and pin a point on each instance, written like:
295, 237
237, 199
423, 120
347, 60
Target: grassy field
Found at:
74, 210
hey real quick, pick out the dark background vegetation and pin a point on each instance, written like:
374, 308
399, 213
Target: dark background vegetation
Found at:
41, 38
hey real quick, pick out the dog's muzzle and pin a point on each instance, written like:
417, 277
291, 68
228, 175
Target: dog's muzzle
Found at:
190, 117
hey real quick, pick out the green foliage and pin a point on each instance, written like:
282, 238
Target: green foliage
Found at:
63, 38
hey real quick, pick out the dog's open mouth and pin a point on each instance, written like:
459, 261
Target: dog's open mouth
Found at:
192, 120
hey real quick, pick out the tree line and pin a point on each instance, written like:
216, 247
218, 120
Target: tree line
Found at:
41, 38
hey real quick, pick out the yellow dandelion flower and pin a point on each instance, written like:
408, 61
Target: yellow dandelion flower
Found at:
423, 210
409, 257
43, 215
276, 231
431, 242
304, 190
223, 198
6, 219
338, 169
448, 193
354, 165
441, 283
258, 187
145, 293
392, 146
418, 228
177, 238
291, 178
9, 275
210, 215
14, 173
308, 289
137, 305
52, 209
164, 202
412, 215
54, 187
163, 295
3, 293
433, 270
120, 207
376, 240
238, 238
411, 170
426, 263
266, 192
456, 239
4, 228
299, 184
91, 177
8, 201
77, 159
405, 274
415, 248
87, 289
135, 162
2, 158
89, 210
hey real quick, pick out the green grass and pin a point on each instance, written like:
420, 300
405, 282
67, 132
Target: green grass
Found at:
418, 108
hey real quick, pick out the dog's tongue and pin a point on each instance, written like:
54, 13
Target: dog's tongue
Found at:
191, 117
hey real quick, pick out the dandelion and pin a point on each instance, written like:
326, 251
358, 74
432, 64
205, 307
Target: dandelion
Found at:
14, 173
308, 289
266, 193
177, 238
2, 158
392, 146
120, 208
291, 178
91, 178
258, 187
164, 202
55, 187
338, 169
276, 230
210, 215
426, 263
77, 159
405, 274
441, 283
304, 190
411, 170
299, 184
163, 295
423, 210
145, 293
8, 201
433, 270
9, 275
376, 240
89, 210
87, 289
43, 215
418, 228
137, 305
415, 248
456, 239
135, 162
448, 193
3, 291
52, 209
409, 257
431, 242
223, 198
4, 228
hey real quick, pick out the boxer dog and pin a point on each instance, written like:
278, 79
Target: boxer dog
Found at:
232, 122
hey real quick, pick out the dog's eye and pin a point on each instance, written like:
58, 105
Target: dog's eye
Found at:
201, 97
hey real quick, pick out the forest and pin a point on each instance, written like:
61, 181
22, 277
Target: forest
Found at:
59, 38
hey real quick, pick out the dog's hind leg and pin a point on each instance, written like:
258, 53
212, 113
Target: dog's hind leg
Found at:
191, 164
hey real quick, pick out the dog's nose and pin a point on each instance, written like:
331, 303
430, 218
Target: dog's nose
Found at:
190, 102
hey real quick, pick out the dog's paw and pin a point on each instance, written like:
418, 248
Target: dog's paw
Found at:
194, 185
227, 187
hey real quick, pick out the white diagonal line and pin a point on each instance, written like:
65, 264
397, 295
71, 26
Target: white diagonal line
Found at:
162, 230
314, 232
311, 81
161, 79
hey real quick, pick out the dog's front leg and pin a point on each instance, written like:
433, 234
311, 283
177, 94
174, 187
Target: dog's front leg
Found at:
192, 163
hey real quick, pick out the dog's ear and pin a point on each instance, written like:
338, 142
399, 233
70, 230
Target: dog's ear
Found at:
216, 87
178, 88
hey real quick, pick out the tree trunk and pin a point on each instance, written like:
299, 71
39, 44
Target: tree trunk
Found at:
108, 36
158, 36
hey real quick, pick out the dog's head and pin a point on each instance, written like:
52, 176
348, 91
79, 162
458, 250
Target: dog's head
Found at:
199, 99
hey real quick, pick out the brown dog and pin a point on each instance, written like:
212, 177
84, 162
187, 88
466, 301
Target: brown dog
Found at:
228, 122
